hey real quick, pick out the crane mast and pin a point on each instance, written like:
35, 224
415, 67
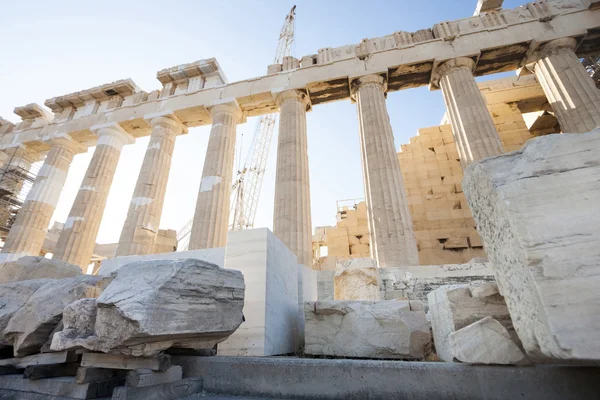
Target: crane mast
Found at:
248, 182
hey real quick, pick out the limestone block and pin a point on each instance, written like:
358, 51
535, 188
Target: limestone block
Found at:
356, 279
453, 307
152, 306
366, 329
31, 326
27, 268
485, 342
13, 296
537, 213
270, 270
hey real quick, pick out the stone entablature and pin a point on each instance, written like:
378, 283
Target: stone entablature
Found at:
499, 48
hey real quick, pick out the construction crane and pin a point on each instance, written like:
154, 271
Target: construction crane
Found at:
248, 182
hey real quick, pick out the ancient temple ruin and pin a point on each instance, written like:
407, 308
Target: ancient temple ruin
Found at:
476, 242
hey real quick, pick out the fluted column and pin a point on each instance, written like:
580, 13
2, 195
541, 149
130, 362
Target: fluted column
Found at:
143, 218
26, 237
211, 218
292, 216
392, 239
76, 242
474, 131
569, 88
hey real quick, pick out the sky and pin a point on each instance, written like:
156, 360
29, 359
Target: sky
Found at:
53, 48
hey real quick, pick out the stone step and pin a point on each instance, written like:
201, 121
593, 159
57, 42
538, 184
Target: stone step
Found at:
304, 378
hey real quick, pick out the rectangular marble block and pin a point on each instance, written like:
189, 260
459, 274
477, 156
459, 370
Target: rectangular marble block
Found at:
538, 212
271, 302
214, 256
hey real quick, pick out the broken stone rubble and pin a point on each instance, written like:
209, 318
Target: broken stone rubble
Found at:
454, 307
366, 329
29, 268
152, 306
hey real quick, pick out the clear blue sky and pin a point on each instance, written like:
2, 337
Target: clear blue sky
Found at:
51, 48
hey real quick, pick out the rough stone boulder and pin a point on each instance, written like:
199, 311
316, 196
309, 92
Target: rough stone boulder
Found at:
31, 326
453, 307
356, 279
13, 296
538, 212
152, 306
28, 268
366, 329
485, 342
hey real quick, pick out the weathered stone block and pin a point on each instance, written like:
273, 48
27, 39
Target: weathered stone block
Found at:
356, 279
454, 307
28, 268
366, 329
538, 213
152, 306
31, 326
485, 342
13, 296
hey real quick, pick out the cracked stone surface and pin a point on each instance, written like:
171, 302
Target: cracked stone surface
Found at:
537, 213
485, 342
28, 268
356, 279
366, 329
153, 305
31, 326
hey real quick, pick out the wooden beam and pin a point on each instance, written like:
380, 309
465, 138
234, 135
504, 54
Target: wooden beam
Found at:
9, 370
117, 361
166, 391
50, 370
40, 359
87, 375
147, 377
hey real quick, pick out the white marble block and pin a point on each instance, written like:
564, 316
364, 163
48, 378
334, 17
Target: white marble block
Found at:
538, 213
356, 279
271, 274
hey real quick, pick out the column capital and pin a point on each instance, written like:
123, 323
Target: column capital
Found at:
228, 106
167, 120
298, 95
65, 140
23, 151
376, 80
445, 67
553, 46
112, 130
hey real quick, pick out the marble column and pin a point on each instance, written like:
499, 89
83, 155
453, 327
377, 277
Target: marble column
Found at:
292, 216
472, 125
211, 218
390, 225
26, 237
569, 88
143, 218
77, 240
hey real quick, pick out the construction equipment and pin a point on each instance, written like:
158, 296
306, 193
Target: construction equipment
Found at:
248, 182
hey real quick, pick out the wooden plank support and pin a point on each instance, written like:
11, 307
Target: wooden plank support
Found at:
147, 377
40, 359
61, 386
8, 370
116, 361
166, 391
50, 371
87, 375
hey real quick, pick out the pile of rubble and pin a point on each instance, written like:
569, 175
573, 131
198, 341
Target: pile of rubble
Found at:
89, 327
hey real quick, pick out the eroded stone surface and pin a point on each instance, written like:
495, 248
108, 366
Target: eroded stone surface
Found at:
28, 268
31, 326
366, 329
454, 307
356, 279
538, 215
152, 306
485, 342
13, 296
